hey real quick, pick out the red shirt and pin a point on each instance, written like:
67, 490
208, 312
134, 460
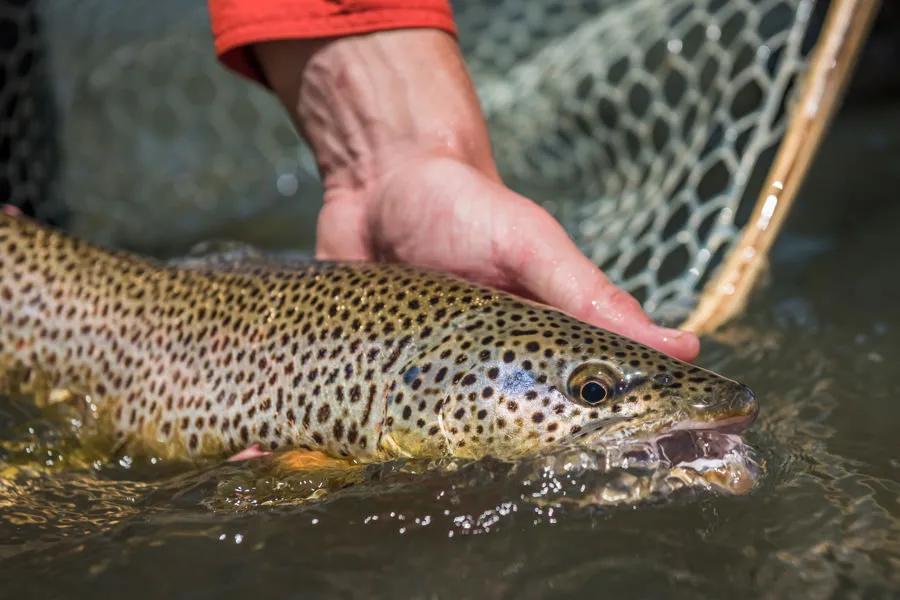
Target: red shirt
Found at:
238, 24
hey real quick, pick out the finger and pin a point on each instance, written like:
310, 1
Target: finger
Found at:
549, 266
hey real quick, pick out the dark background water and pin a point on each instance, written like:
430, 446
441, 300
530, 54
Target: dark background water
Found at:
819, 343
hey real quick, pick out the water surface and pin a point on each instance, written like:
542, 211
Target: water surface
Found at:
819, 345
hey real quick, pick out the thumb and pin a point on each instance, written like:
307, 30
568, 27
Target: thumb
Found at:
341, 232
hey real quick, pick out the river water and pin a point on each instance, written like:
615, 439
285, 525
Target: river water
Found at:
819, 344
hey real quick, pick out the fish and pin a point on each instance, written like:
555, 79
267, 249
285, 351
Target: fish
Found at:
360, 361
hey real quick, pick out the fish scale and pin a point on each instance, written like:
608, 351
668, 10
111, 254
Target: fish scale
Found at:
361, 360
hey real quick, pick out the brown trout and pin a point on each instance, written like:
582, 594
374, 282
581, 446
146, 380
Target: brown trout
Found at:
358, 360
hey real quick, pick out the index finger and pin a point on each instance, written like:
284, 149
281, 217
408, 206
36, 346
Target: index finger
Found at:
549, 266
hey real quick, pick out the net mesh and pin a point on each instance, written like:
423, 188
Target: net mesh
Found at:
643, 125
27, 149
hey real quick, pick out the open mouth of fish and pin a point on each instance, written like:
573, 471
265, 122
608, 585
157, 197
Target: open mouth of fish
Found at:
708, 454
655, 468
693, 454
709, 458
711, 453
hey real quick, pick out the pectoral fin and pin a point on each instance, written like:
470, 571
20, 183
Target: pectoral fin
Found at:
310, 460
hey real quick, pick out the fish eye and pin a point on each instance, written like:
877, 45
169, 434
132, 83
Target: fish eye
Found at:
593, 392
592, 383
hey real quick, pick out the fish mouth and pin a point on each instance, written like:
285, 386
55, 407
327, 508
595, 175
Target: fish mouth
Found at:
656, 466
702, 449
684, 447
711, 458
706, 447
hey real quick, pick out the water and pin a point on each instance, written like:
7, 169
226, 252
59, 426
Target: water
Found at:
818, 345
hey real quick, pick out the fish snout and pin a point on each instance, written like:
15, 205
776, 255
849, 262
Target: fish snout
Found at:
731, 408
744, 402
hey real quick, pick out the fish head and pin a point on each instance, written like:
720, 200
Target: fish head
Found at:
543, 378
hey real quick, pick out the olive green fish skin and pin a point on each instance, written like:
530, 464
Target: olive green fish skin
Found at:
369, 361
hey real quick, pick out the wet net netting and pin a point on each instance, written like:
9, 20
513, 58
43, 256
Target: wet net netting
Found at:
645, 126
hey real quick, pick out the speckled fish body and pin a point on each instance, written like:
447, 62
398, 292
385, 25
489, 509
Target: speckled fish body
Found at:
368, 361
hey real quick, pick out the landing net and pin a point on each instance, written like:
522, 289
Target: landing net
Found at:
646, 126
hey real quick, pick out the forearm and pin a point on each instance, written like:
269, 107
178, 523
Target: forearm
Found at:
367, 103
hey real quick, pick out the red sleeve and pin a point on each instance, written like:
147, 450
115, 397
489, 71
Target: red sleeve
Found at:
238, 24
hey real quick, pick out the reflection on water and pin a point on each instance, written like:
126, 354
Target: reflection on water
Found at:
818, 346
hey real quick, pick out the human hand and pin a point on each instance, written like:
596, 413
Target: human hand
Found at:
444, 214
405, 159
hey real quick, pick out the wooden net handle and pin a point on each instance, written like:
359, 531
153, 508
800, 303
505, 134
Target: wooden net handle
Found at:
831, 64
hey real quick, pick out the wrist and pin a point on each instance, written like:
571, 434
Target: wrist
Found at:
369, 105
